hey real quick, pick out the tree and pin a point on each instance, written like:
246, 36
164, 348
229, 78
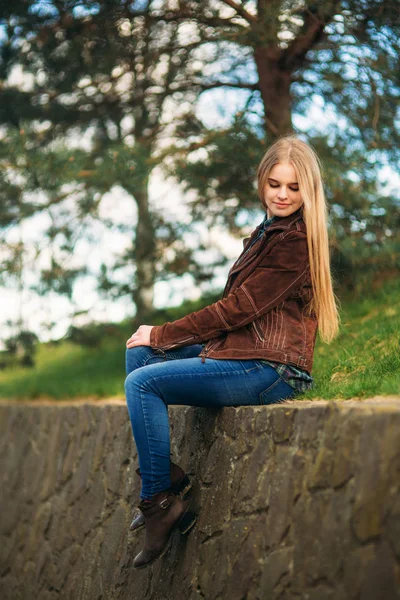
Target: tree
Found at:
131, 74
106, 70
283, 57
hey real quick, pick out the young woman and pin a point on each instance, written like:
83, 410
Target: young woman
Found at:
255, 346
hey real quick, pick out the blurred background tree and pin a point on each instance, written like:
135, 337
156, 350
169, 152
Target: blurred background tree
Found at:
287, 59
110, 91
107, 70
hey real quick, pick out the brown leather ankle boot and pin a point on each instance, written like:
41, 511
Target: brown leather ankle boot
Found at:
162, 514
180, 484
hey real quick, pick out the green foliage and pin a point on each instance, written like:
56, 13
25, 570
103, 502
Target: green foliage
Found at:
342, 57
225, 179
102, 71
20, 350
93, 334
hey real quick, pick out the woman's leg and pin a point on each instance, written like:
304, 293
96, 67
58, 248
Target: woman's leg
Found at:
149, 391
140, 356
143, 356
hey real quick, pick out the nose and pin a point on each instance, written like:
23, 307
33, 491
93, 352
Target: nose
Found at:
282, 194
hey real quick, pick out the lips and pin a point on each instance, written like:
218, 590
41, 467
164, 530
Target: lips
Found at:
281, 204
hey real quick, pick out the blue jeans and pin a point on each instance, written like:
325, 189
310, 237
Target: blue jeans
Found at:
154, 381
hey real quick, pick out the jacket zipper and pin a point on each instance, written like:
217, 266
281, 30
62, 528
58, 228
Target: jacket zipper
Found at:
207, 351
169, 346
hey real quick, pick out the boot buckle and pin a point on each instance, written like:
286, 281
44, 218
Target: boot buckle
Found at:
165, 503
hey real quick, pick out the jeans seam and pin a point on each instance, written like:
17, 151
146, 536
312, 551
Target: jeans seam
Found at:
165, 357
149, 358
195, 375
272, 386
260, 364
258, 367
147, 435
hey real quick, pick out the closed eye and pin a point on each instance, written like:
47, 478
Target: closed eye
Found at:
276, 185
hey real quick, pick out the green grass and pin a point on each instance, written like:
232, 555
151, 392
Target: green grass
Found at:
363, 361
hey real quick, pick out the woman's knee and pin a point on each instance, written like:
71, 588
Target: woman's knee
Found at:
135, 382
132, 395
130, 383
137, 385
135, 357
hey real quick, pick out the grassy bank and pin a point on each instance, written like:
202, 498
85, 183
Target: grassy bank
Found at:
363, 361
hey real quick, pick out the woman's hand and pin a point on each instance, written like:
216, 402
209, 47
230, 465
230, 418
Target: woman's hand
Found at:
141, 337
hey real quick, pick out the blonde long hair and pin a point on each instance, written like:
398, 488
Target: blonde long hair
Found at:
302, 156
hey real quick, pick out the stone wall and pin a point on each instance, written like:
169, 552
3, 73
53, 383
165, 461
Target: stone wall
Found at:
296, 501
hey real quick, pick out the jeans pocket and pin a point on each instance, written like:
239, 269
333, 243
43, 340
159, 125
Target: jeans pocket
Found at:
277, 392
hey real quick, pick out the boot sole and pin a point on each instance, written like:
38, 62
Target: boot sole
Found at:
186, 522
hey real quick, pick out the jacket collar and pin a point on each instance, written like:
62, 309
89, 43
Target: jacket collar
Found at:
287, 222
280, 223
284, 223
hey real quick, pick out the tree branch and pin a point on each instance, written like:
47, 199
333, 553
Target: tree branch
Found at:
175, 150
312, 32
215, 84
185, 15
240, 11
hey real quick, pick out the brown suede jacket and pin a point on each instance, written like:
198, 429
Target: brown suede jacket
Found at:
262, 311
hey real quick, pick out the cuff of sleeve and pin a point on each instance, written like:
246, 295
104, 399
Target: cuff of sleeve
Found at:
154, 337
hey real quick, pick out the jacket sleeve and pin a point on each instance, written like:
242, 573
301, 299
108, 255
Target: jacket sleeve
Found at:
279, 274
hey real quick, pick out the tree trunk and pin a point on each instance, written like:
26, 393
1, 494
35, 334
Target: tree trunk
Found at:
274, 84
145, 257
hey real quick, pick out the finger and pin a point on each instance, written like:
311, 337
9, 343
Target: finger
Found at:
133, 336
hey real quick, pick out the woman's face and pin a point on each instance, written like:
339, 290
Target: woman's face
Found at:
281, 192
